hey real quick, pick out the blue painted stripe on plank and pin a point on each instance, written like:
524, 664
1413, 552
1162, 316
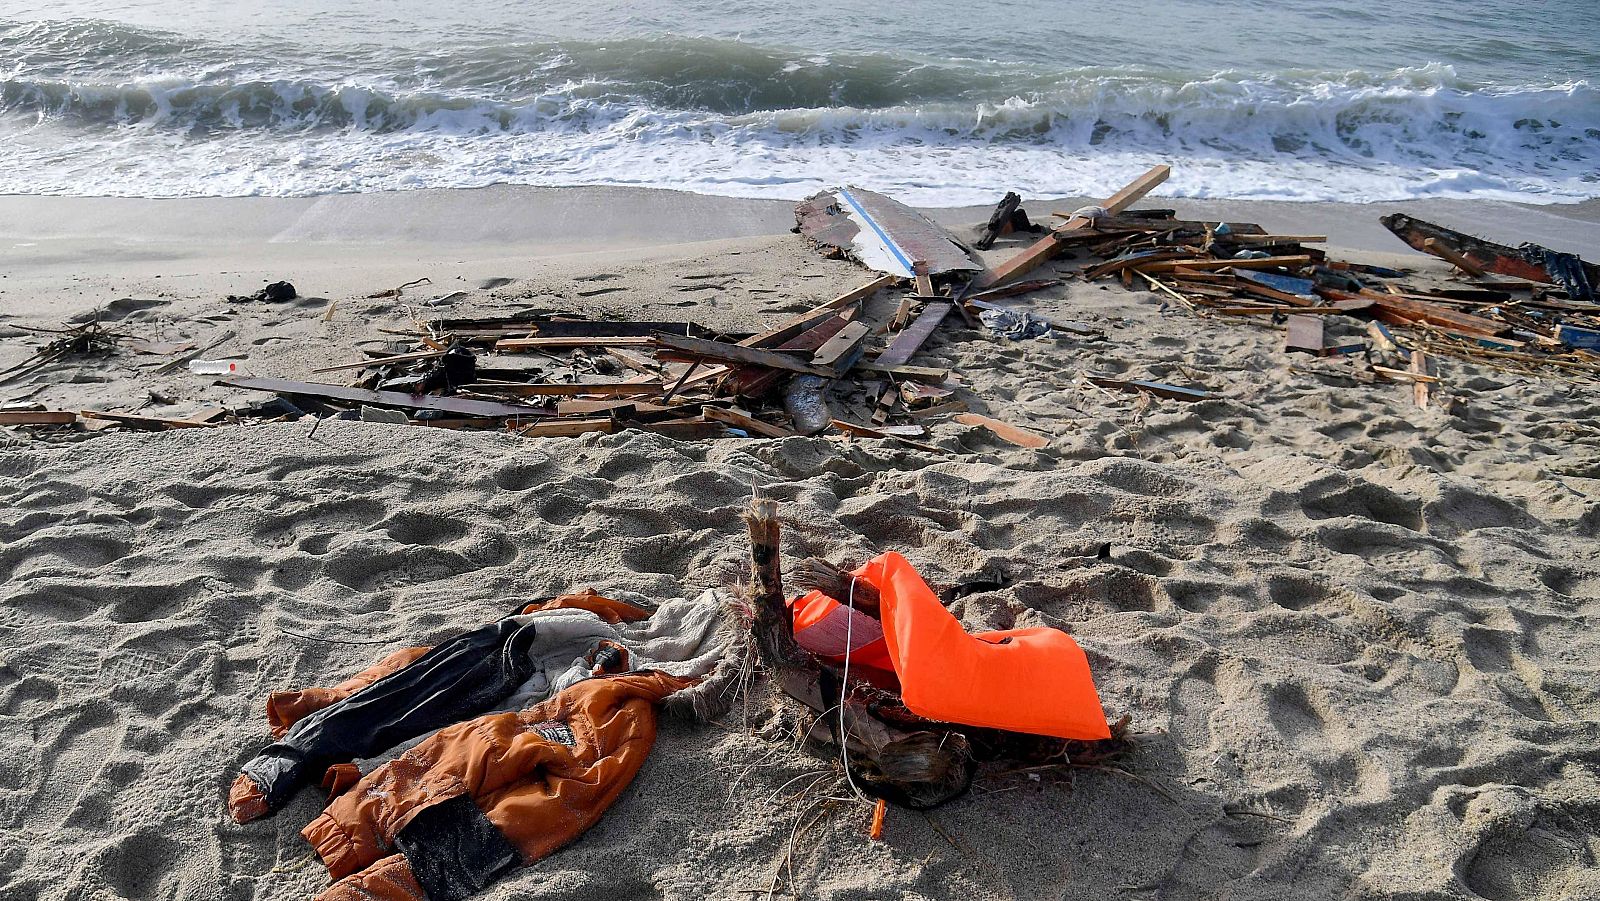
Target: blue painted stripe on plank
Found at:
893, 248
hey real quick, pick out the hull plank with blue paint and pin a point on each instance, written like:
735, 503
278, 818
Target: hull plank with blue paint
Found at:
880, 233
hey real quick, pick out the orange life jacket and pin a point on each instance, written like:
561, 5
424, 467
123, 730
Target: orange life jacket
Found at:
1021, 680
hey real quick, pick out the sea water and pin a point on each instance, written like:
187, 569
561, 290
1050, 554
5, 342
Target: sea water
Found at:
940, 102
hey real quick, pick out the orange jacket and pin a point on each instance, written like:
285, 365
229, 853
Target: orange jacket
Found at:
540, 777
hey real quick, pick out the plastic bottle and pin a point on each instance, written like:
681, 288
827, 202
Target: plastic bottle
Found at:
213, 367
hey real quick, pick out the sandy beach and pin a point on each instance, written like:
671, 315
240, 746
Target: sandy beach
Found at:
1357, 639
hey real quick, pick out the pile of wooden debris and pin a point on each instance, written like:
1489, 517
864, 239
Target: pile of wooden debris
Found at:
1529, 309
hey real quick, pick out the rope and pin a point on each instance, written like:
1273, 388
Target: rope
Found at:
844, 687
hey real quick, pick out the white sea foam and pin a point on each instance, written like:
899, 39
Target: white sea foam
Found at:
747, 122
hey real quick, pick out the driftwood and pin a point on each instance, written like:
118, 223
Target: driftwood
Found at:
892, 751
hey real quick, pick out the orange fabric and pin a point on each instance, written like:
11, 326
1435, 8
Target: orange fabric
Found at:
285, 708
337, 779
1020, 680
611, 611
390, 879
540, 792
246, 800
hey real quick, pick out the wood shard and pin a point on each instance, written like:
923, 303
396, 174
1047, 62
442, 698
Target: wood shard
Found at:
397, 399
1159, 389
1014, 434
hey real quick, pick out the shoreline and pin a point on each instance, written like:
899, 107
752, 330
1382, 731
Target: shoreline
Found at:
72, 253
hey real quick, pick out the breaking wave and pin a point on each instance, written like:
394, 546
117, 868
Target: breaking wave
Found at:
112, 110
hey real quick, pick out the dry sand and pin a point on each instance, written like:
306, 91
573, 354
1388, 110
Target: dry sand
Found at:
1358, 637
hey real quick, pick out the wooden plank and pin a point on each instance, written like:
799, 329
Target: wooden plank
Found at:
919, 269
1291, 262
1268, 291
788, 329
1017, 435
739, 419
1112, 267
754, 382
612, 406
565, 389
1304, 334
930, 374
682, 429
568, 428
513, 345
841, 351
583, 328
1406, 309
37, 417
1159, 389
1011, 290
638, 362
148, 422
676, 347
1421, 390
1273, 239
883, 404
1046, 247
382, 361
208, 414
856, 429
1438, 249
394, 399
955, 406
909, 341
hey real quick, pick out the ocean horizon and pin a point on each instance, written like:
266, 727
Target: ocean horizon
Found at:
934, 102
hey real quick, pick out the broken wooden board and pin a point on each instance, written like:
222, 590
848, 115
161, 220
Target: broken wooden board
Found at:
1496, 258
862, 431
567, 389
786, 330
583, 328
929, 374
1159, 389
1017, 435
1403, 311
568, 428
1304, 334
145, 422
681, 429
37, 417
1435, 247
739, 419
383, 361
841, 352
880, 233
909, 341
513, 345
1010, 290
681, 348
395, 399
1136, 260
1289, 262
1036, 254
1421, 369
753, 382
